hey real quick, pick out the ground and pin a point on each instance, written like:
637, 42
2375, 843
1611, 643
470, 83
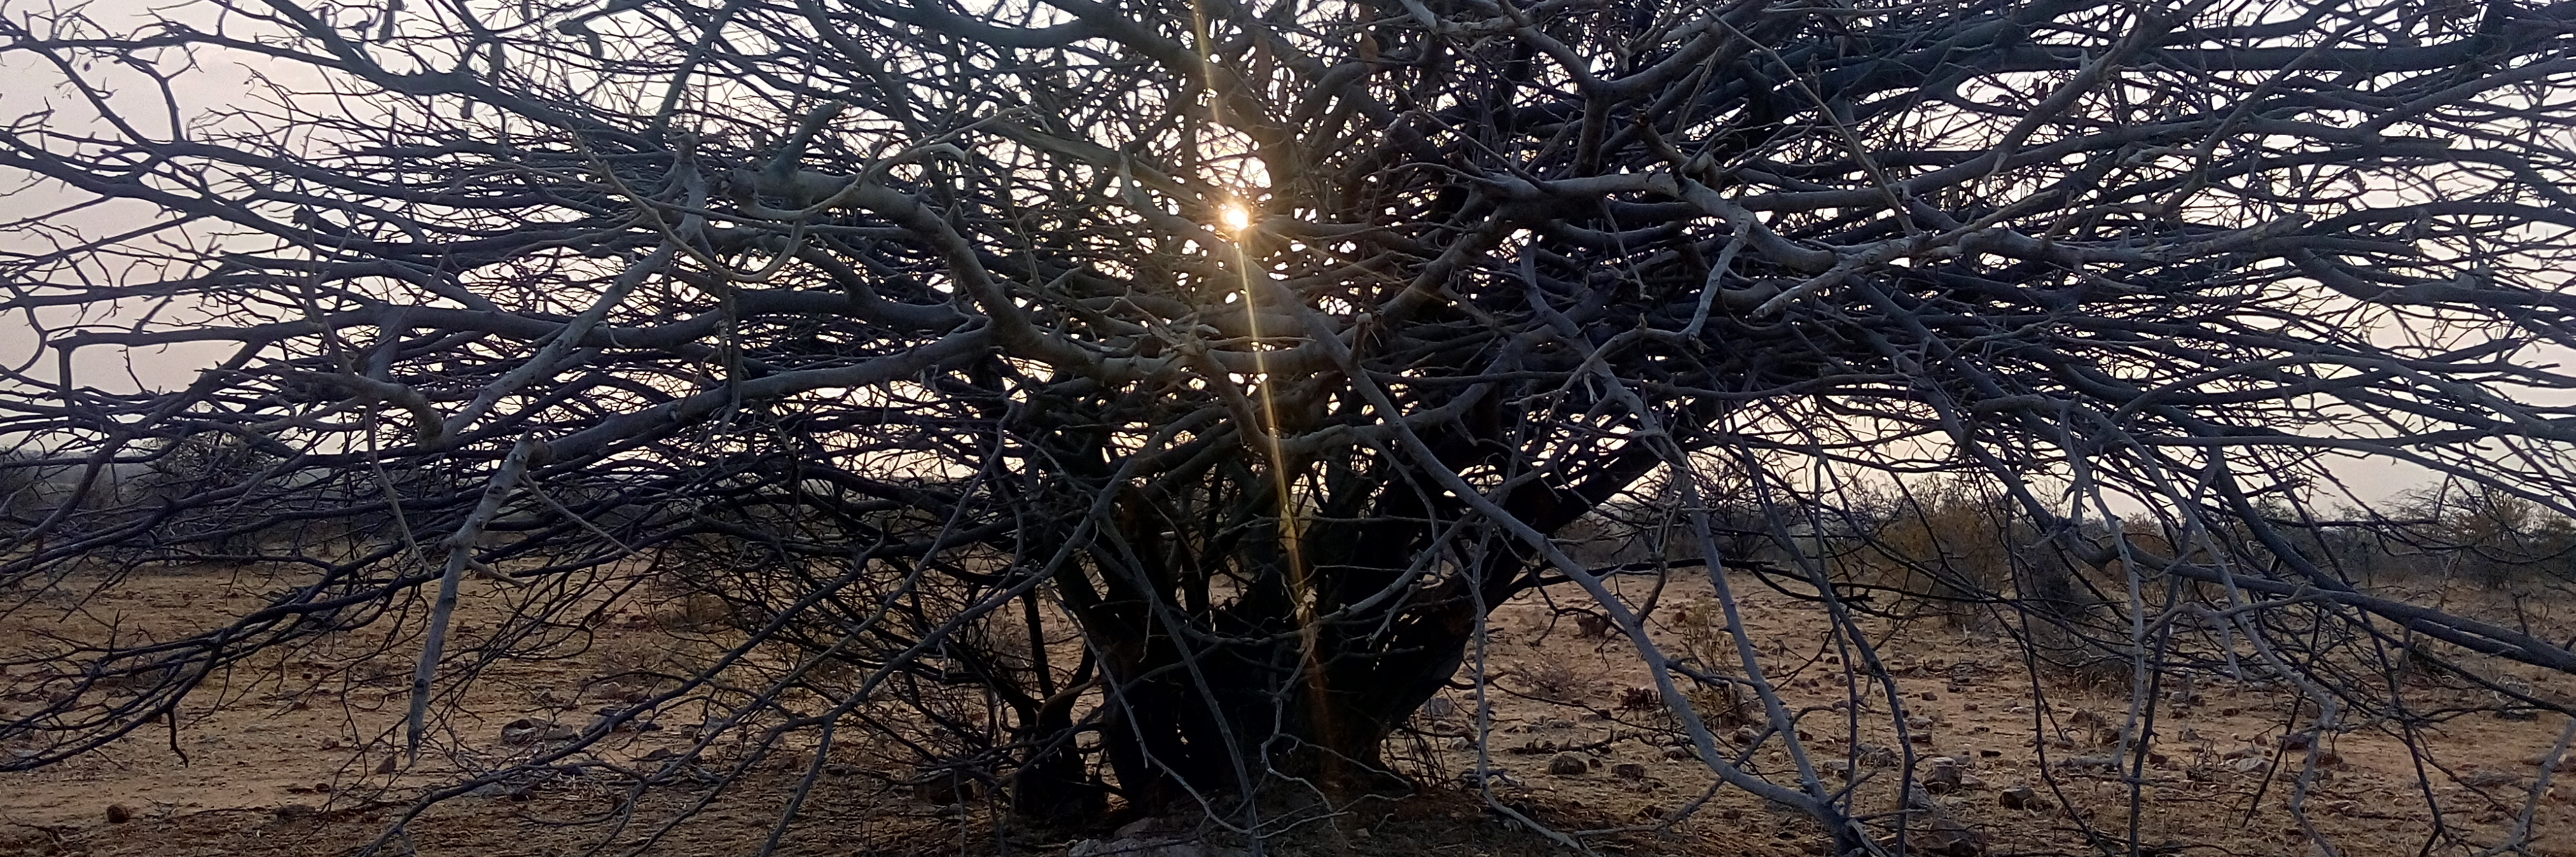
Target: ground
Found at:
300, 755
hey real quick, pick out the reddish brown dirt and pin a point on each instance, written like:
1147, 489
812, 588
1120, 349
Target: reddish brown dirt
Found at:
287, 758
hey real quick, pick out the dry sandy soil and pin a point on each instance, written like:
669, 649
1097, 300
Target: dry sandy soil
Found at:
298, 756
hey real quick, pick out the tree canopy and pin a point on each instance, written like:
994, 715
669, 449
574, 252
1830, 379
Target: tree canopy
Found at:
1236, 358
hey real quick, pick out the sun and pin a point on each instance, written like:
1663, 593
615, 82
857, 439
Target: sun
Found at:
1234, 217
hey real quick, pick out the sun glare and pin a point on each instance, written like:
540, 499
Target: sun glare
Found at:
1234, 217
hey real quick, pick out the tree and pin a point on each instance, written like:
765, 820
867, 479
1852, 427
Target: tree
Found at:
1244, 356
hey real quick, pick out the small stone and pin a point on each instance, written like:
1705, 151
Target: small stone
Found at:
1439, 706
1677, 753
1362, 833
1462, 742
118, 814
293, 811
2251, 765
1567, 765
1628, 771
2018, 797
1990, 754
386, 766
1929, 696
1969, 707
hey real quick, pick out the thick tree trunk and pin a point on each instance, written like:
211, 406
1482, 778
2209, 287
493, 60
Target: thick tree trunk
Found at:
1300, 663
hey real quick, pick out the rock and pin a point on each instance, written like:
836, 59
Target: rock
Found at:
1677, 753
2018, 797
1439, 706
1970, 708
2250, 765
293, 811
386, 766
2296, 741
1628, 771
1567, 765
118, 814
1462, 742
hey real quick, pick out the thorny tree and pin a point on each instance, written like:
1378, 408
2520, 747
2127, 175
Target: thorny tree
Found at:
1192, 377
